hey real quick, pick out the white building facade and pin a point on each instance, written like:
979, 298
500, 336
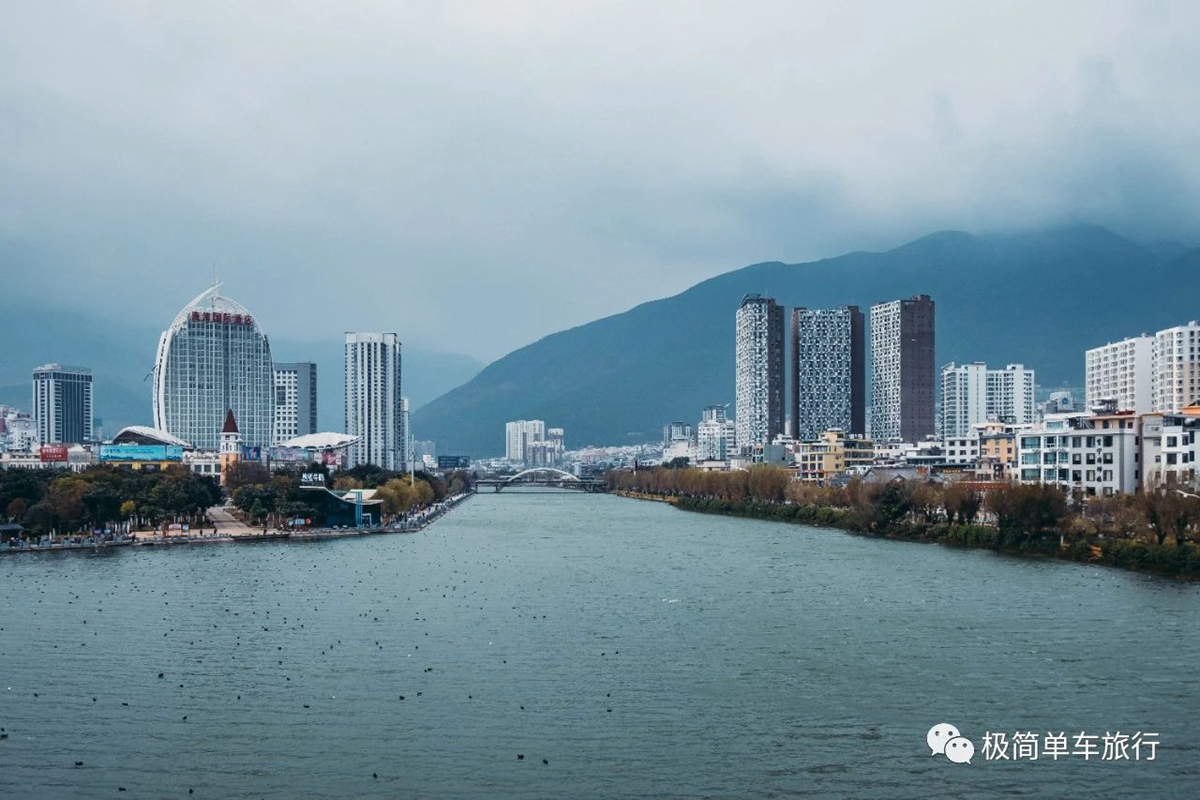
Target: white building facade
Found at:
1175, 368
1121, 371
214, 358
1093, 454
373, 400
1170, 449
972, 393
964, 398
716, 436
519, 435
18, 430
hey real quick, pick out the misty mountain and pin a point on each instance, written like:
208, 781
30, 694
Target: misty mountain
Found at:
122, 355
1037, 298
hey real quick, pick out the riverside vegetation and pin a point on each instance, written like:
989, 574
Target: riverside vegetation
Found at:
60, 502
265, 497
1155, 531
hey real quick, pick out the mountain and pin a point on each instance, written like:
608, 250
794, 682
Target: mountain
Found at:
1038, 298
121, 355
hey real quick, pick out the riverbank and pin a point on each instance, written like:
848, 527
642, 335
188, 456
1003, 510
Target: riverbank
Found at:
414, 524
1168, 560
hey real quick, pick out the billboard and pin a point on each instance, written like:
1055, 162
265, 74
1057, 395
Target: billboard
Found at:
251, 454
141, 452
56, 453
289, 454
454, 462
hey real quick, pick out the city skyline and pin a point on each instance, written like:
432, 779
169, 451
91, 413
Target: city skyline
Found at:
599, 399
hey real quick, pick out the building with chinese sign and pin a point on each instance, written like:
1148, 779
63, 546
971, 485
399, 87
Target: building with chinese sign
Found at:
212, 359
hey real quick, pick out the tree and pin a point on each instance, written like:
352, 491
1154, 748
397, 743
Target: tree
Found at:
894, 503
926, 499
766, 483
962, 503
62, 507
245, 473
1002, 502
128, 508
257, 500
1168, 513
16, 509
1030, 510
369, 476
102, 504
397, 495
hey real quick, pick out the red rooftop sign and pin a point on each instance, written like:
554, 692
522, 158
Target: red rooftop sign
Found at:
222, 317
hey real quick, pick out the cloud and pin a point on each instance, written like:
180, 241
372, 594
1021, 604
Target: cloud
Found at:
481, 175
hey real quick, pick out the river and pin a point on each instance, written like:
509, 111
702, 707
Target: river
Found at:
556, 644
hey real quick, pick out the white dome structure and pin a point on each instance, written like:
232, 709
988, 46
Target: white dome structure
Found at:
322, 441
140, 434
212, 359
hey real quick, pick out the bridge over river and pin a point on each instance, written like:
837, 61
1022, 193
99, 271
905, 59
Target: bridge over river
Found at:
549, 477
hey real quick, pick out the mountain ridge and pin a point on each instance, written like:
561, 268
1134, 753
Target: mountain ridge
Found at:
617, 379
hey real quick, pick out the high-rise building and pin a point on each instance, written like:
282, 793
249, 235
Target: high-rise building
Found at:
716, 436
674, 431
212, 359
1121, 371
828, 372
1175, 368
295, 400
373, 400
62, 404
972, 393
545, 453
518, 435
758, 371
902, 374
964, 398
1010, 393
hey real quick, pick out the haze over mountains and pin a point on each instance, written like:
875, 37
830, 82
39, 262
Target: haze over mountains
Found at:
1039, 298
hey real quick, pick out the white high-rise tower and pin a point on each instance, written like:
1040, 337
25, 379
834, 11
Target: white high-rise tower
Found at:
374, 410
212, 359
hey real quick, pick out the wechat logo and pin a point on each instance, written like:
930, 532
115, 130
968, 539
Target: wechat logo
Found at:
945, 740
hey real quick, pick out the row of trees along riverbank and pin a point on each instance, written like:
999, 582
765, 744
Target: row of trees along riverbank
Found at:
55, 501
1155, 530
265, 498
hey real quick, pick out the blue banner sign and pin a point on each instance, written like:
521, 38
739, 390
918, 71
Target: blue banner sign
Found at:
140, 452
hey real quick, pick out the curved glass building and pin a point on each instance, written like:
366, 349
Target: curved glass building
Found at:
213, 358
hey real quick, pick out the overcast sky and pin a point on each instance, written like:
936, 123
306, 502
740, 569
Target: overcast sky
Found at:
478, 176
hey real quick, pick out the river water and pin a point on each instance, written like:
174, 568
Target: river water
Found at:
637, 650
